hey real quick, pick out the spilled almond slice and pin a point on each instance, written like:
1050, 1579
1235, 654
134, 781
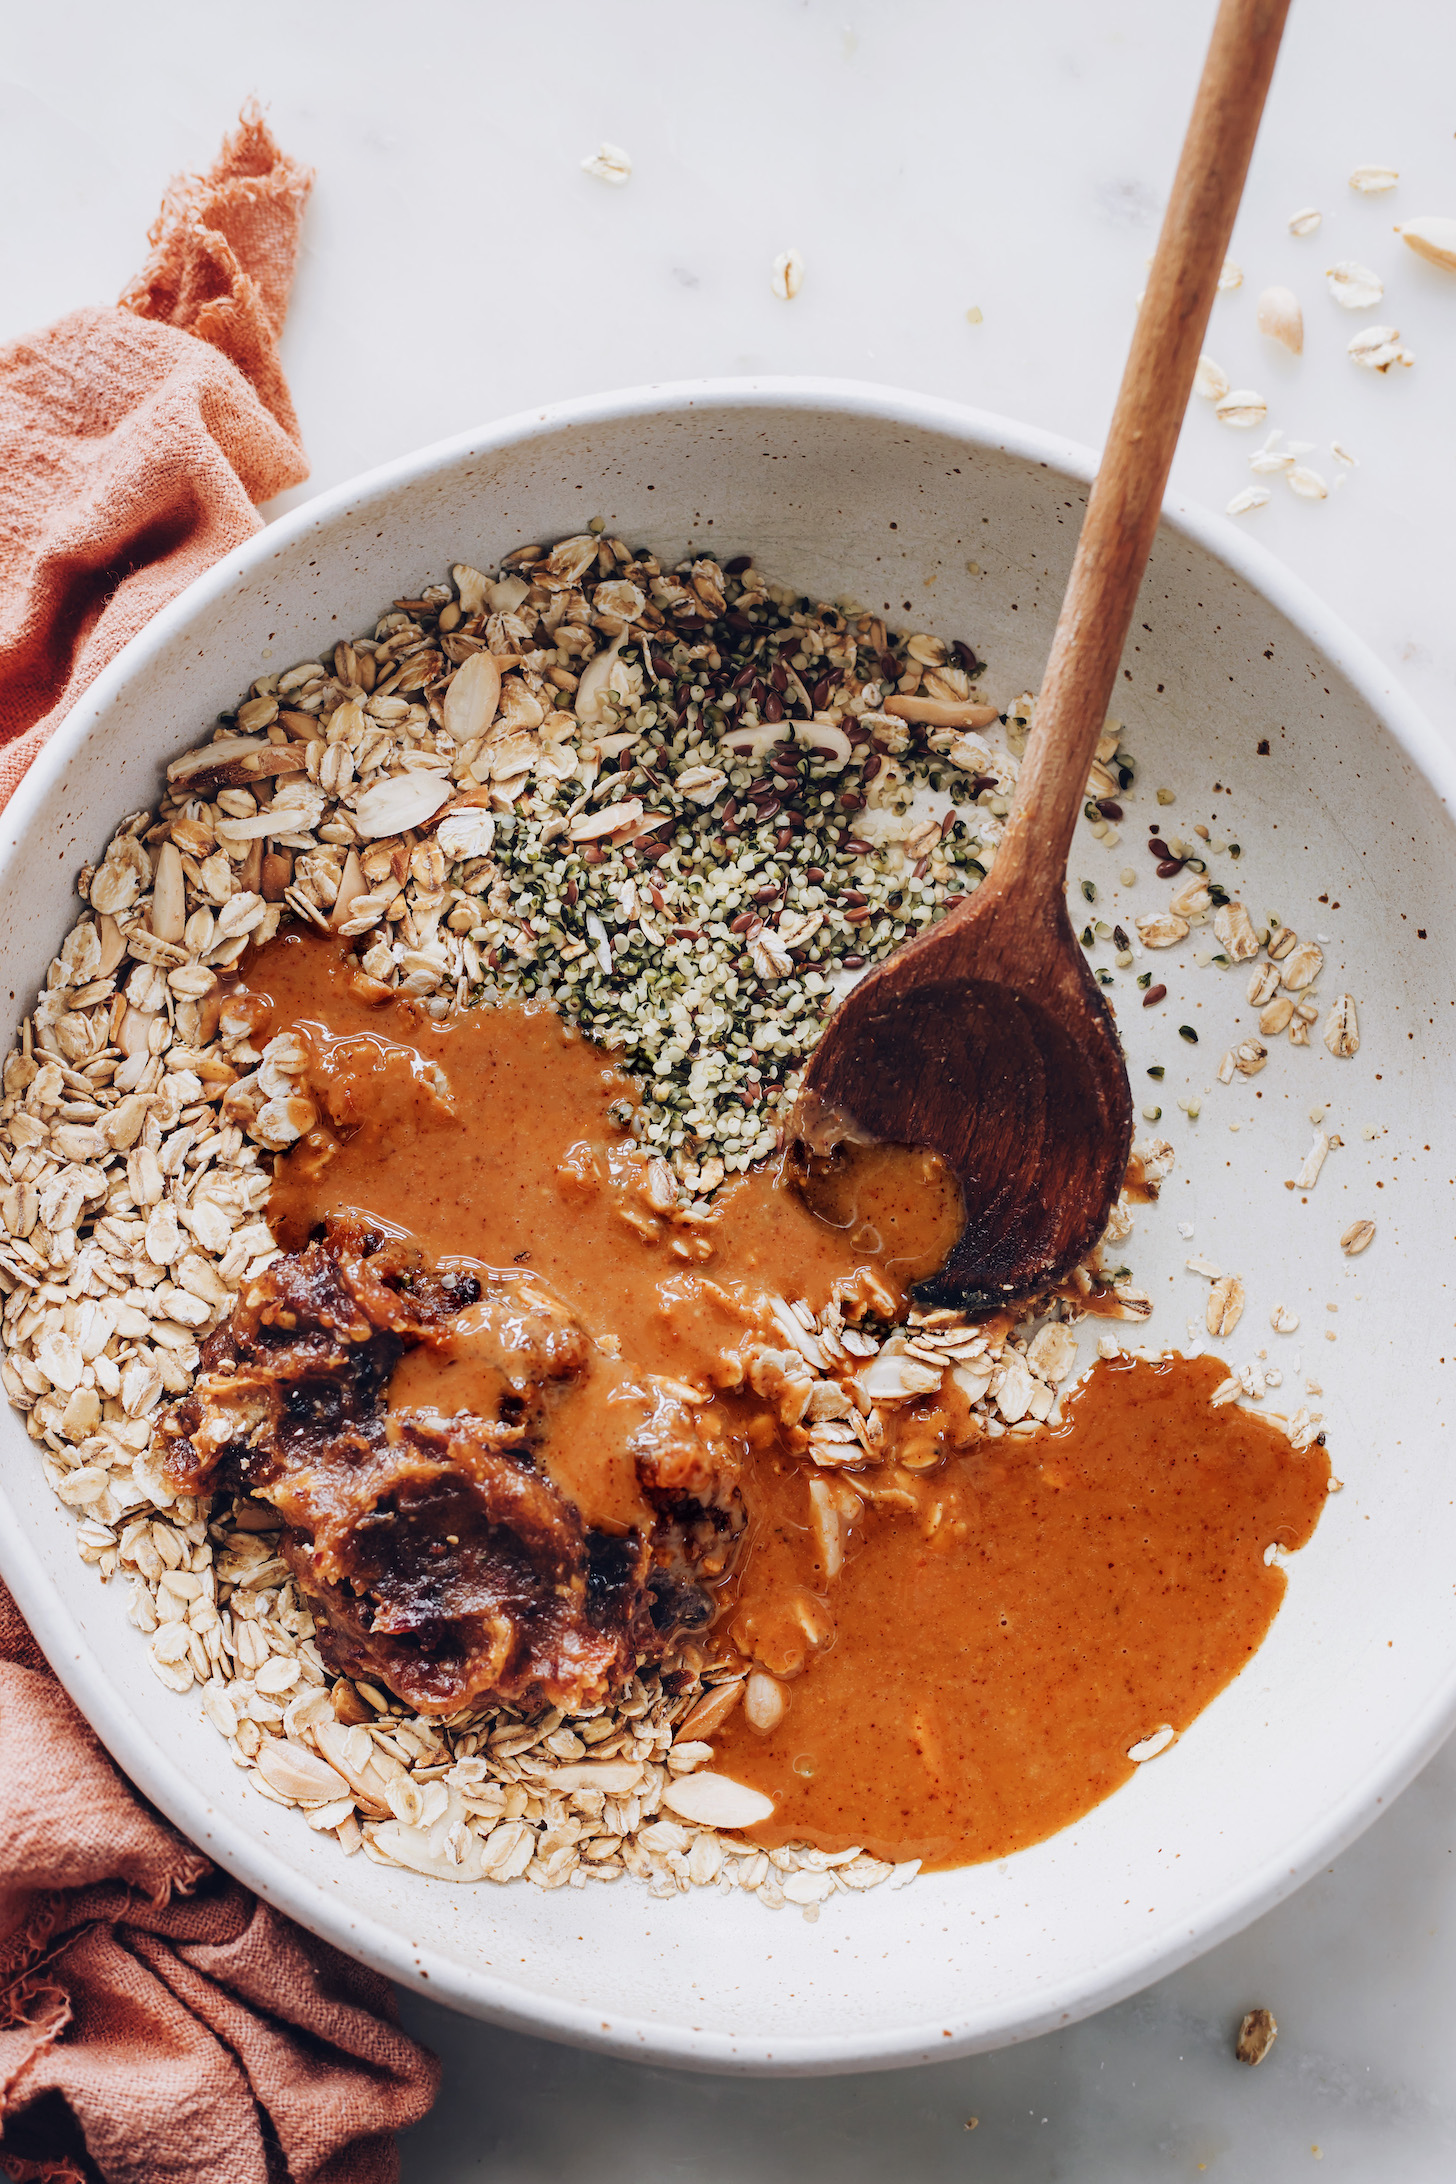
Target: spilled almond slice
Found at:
1431, 239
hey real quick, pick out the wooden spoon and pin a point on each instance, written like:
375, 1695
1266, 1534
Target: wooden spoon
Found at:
988, 1039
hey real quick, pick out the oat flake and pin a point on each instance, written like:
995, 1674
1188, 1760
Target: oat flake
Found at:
609, 163
1242, 408
788, 275
1353, 284
1378, 347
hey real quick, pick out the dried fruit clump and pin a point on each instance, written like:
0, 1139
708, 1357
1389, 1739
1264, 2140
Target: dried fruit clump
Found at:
444, 1561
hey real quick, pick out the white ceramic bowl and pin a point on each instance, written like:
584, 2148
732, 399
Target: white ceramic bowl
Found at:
961, 523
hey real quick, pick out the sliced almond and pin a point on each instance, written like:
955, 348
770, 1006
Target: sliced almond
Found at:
215, 757
352, 887
416, 1849
169, 895
592, 826
711, 1711
1431, 239
717, 1801
600, 679
941, 712
297, 1773
472, 698
765, 1702
827, 1526
614, 1777
399, 802
1280, 317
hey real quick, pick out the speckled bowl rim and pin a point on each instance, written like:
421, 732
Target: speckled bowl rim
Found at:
223, 1833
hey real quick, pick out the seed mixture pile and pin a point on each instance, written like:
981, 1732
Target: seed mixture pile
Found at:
678, 804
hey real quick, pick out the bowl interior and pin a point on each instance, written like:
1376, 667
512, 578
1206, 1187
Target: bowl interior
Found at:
1233, 682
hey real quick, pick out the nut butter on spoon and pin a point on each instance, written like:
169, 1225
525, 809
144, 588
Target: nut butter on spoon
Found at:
987, 1040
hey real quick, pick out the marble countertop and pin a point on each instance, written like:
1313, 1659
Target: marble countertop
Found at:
928, 160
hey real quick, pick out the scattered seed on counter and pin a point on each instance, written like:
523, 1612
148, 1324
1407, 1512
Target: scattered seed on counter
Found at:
1258, 2031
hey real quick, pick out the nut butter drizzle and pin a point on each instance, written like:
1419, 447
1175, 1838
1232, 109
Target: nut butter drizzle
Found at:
999, 1620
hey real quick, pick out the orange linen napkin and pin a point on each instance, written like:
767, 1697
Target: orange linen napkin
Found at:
136, 437
156, 2021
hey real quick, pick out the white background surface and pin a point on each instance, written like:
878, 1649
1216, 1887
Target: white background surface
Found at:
924, 158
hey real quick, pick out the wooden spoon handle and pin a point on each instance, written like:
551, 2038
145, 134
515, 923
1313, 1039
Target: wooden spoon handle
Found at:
1127, 494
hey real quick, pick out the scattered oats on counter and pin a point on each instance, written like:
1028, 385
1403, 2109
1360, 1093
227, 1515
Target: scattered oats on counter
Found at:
1378, 347
1353, 284
1241, 407
608, 163
1372, 180
788, 275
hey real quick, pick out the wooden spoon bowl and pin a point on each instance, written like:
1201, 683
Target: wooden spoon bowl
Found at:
990, 1042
